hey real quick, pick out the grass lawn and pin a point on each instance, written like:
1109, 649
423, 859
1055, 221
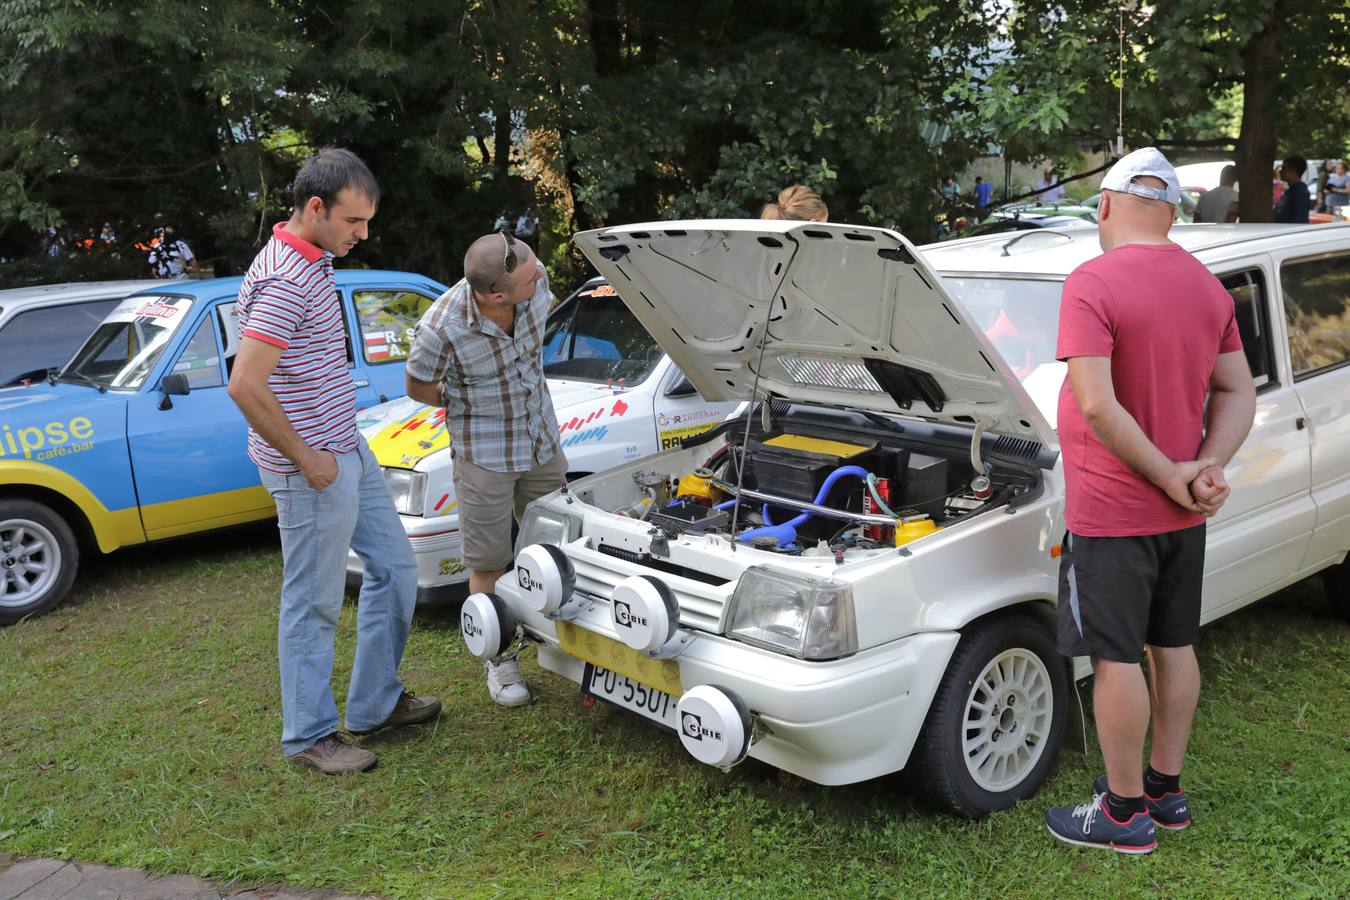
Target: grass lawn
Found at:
139, 726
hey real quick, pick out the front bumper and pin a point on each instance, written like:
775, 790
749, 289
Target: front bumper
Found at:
835, 722
441, 576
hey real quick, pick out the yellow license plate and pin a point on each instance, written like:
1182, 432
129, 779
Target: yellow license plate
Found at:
662, 674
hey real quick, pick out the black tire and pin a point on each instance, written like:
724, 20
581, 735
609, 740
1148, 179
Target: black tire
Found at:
1336, 580
31, 535
1031, 733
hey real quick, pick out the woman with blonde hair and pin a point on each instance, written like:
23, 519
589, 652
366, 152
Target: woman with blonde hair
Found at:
797, 202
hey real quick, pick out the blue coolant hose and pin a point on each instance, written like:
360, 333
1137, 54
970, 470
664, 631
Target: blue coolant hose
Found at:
786, 533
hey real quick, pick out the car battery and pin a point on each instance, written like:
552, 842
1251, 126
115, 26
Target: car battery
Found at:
925, 485
796, 466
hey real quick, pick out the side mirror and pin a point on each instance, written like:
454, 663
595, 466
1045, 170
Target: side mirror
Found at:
175, 385
682, 388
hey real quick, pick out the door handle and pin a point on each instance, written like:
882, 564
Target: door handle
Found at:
1300, 423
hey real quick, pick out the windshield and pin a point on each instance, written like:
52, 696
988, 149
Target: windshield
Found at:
1020, 316
593, 337
122, 351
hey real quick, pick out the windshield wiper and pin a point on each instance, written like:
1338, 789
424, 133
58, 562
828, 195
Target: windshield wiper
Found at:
82, 378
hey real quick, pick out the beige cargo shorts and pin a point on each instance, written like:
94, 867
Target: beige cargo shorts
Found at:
487, 501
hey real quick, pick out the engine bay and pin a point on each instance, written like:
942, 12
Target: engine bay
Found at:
810, 488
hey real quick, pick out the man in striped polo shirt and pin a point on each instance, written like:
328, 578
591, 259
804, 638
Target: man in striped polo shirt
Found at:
478, 352
290, 380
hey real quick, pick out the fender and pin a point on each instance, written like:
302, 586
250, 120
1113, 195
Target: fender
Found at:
1037, 589
111, 528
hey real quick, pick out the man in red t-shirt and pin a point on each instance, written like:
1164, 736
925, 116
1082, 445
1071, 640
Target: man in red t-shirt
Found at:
1158, 399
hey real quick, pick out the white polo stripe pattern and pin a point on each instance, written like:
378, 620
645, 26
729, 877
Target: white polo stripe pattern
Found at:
289, 299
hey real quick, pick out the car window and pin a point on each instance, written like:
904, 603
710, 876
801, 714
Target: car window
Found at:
125, 347
1317, 311
228, 318
593, 337
200, 359
387, 319
40, 339
1020, 316
1248, 290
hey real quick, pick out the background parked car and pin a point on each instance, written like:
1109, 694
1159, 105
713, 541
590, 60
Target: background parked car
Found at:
1023, 220
137, 439
40, 327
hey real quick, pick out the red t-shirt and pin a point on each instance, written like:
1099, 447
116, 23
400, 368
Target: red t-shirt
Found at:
1162, 318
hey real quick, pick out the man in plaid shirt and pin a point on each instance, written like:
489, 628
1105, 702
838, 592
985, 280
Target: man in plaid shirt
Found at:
478, 352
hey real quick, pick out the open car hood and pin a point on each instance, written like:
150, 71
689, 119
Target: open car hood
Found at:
841, 315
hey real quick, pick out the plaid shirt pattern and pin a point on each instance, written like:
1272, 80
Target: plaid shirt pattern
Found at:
497, 404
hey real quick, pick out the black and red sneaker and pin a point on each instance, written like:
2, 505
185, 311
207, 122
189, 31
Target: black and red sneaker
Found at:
1090, 825
1171, 811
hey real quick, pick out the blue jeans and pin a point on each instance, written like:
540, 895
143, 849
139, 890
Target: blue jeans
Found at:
317, 527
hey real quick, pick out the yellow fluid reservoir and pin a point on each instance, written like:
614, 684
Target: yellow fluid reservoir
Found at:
697, 485
913, 528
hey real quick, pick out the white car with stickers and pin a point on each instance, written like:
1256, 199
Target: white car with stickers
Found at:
861, 577
617, 397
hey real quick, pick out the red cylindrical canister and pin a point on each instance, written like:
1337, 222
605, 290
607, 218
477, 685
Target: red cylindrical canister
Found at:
877, 532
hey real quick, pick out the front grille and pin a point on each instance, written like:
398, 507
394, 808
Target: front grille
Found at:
631, 555
701, 604
651, 562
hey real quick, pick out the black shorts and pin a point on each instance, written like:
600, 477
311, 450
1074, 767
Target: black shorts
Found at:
1117, 594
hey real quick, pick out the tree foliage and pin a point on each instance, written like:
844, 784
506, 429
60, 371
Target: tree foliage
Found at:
598, 111
1057, 91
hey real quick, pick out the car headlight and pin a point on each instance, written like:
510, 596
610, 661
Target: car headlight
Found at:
542, 525
805, 617
407, 488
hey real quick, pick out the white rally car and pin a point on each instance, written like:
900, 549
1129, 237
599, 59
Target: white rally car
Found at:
617, 396
878, 592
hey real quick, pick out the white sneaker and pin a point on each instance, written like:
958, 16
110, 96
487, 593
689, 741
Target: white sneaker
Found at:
505, 683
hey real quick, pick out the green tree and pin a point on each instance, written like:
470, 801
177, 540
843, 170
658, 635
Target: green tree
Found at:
1057, 91
713, 114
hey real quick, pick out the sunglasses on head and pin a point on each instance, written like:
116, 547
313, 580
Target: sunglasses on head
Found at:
508, 259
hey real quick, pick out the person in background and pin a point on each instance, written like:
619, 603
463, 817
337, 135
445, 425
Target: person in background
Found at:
984, 193
1277, 185
797, 202
1048, 189
951, 191
1294, 206
170, 257
1338, 189
1158, 398
1219, 204
527, 227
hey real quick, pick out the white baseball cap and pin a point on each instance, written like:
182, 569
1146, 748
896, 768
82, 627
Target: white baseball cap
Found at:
1144, 161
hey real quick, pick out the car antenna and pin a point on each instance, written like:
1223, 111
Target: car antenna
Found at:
750, 417
1120, 79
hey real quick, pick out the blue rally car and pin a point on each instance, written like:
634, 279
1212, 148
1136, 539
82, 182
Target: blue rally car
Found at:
136, 439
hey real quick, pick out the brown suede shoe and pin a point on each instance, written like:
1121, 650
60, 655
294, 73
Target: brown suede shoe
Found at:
335, 755
409, 710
